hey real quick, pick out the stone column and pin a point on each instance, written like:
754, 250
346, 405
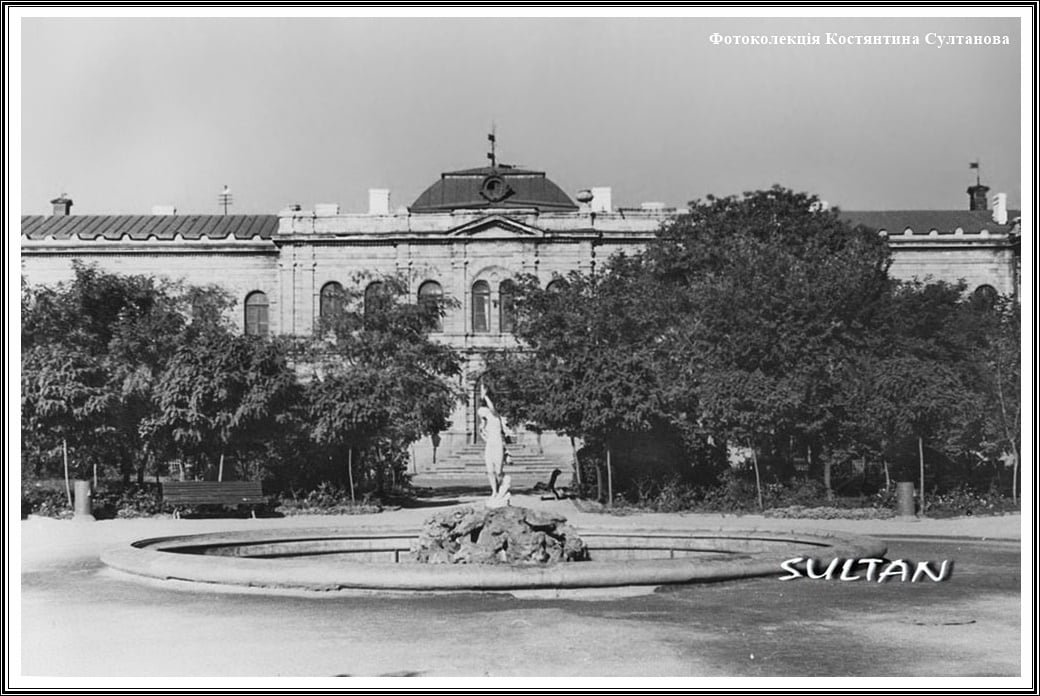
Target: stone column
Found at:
305, 306
281, 313
83, 509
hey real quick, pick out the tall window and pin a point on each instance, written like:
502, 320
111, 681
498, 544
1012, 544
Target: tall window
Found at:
332, 300
481, 307
430, 294
375, 298
507, 306
256, 314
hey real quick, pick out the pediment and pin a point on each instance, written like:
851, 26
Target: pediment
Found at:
496, 227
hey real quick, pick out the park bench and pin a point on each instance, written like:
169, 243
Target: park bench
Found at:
555, 493
231, 493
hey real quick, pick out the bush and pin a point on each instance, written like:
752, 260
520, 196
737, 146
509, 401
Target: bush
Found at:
129, 501
733, 493
736, 494
965, 500
327, 499
671, 496
44, 500
830, 513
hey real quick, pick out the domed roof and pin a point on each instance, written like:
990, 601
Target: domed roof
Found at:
493, 187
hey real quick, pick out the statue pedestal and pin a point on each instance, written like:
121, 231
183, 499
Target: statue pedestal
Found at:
501, 496
499, 501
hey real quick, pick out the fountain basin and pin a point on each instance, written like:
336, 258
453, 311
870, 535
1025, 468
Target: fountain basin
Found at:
330, 560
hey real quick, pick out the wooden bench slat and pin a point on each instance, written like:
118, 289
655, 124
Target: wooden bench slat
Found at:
232, 496
212, 492
212, 485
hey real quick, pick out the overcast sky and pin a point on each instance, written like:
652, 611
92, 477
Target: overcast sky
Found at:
121, 114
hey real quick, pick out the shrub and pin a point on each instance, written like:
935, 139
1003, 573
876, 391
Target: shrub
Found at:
965, 500
736, 494
671, 496
129, 501
327, 499
44, 500
732, 494
830, 513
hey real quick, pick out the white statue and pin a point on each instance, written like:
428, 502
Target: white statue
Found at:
493, 429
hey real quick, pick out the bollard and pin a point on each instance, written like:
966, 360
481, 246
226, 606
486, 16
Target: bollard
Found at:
905, 499
82, 511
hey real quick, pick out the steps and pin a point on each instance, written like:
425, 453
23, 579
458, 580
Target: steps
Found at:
525, 465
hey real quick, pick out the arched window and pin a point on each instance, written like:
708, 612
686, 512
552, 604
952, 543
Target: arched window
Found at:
256, 314
986, 295
430, 294
332, 300
375, 298
556, 285
481, 307
507, 306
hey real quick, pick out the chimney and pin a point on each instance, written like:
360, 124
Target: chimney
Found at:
1000, 214
164, 210
584, 200
61, 205
601, 200
977, 197
379, 201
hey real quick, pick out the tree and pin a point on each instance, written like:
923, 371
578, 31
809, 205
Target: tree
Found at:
914, 382
92, 349
999, 382
65, 399
377, 381
770, 296
593, 364
220, 394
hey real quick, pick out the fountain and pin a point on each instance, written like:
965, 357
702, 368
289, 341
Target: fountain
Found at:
330, 561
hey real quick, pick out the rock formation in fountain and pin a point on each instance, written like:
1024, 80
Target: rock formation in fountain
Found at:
506, 535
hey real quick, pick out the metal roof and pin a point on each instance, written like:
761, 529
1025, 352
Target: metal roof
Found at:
468, 188
144, 227
924, 221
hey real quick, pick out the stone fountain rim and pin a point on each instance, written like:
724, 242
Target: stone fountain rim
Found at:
143, 558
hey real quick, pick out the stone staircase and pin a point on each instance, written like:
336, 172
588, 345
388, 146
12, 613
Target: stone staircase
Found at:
526, 465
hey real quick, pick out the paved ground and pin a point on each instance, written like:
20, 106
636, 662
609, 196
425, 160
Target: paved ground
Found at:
80, 619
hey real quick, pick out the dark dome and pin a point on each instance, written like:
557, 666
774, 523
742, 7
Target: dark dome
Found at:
493, 187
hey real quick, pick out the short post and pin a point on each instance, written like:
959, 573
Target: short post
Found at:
82, 511
905, 499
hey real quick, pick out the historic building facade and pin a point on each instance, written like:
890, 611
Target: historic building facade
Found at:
465, 237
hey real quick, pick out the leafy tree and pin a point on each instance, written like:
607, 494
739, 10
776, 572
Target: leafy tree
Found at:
107, 335
220, 394
916, 382
593, 364
66, 400
998, 381
770, 296
376, 381
1001, 385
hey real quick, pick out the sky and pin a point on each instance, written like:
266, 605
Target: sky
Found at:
122, 114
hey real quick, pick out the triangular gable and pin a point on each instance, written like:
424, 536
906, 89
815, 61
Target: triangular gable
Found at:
495, 227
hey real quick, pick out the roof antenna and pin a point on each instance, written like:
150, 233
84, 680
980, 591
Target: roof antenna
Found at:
491, 139
978, 174
224, 198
